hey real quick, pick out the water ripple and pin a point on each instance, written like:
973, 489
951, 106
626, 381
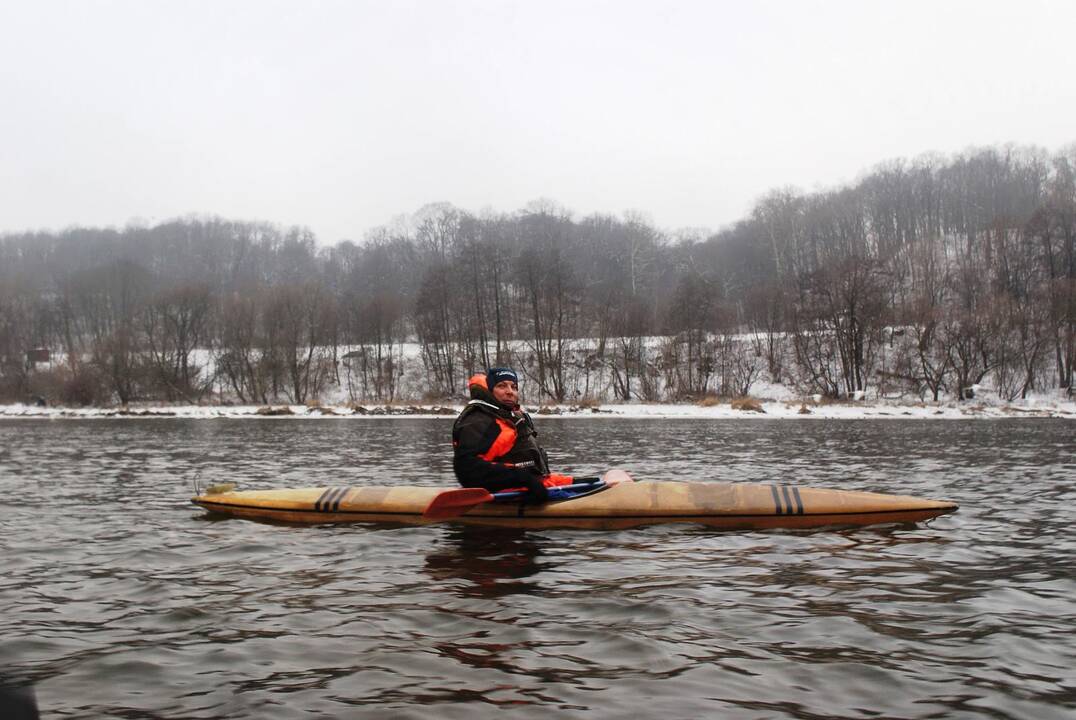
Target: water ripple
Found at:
120, 600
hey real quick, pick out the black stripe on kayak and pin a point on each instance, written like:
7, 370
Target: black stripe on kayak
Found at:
799, 501
330, 499
788, 499
317, 503
776, 499
334, 502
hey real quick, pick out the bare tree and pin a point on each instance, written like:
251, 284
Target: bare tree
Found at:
552, 298
299, 318
176, 325
239, 358
691, 315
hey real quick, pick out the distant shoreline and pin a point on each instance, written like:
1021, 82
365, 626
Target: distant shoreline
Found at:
762, 409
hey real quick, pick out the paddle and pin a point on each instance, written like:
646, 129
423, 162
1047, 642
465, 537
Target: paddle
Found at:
453, 503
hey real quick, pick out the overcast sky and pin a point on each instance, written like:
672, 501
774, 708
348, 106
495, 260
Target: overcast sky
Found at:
342, 115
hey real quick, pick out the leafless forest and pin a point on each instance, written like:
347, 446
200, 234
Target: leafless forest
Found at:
920, 279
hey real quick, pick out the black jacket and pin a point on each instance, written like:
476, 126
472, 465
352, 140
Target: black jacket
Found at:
474, 434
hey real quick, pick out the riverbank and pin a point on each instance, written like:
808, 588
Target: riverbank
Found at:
1038, 407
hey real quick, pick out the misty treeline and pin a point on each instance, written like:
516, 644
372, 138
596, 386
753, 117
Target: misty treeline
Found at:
923, 278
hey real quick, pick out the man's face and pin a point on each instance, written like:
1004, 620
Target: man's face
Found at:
506, 392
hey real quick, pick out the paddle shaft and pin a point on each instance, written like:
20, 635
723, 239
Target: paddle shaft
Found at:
509, 494
453, 503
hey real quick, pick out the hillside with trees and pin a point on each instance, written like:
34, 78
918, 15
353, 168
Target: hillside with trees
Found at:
919, 280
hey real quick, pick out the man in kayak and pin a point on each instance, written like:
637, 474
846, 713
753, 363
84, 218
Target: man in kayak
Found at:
494, 441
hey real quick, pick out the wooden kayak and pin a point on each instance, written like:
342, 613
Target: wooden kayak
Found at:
738, 506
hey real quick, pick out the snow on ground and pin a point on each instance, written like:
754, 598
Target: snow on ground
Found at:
1050, 407
776, 400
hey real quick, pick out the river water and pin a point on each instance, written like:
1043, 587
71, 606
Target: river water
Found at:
120, 599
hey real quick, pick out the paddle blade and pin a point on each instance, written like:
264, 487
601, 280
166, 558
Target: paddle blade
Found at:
453, 503
616, 476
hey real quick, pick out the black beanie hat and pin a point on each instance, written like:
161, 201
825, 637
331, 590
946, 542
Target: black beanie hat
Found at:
500, 374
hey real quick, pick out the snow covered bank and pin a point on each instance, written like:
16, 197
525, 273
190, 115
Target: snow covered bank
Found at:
772, 409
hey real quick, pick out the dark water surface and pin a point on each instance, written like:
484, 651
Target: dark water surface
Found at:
120, 599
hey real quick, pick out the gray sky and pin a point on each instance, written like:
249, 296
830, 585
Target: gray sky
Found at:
343, 115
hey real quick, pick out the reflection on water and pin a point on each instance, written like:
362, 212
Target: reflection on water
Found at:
485, 562
119, 599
